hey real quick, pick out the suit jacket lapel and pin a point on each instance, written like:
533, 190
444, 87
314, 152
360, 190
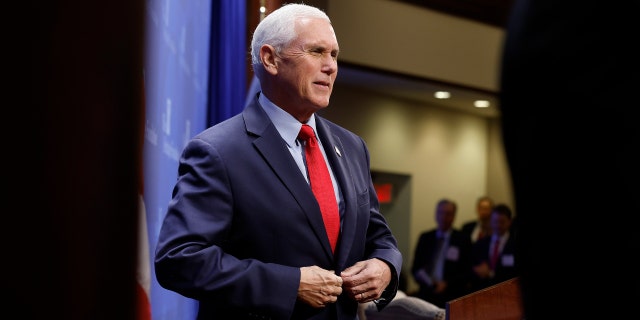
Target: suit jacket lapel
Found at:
338, 156
279, 159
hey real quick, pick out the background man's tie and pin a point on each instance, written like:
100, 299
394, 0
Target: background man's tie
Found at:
495, 253
321, 185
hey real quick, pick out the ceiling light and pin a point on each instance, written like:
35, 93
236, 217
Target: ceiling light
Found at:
442, 94
481, 103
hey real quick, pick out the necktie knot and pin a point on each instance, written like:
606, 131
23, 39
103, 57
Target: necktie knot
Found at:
306, 133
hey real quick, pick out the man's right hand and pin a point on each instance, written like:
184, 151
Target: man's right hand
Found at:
319, 287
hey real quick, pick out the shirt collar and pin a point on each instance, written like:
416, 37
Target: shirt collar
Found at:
285, 123
443, 234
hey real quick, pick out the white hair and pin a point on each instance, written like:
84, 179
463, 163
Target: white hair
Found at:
278, 29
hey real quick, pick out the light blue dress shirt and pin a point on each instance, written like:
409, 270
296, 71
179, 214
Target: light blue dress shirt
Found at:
289, 127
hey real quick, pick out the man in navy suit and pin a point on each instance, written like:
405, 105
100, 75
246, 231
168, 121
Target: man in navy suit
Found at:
244, 234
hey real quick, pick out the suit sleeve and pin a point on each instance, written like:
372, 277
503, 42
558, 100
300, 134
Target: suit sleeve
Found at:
190, 258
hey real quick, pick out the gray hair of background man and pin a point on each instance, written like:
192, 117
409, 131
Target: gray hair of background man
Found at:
277, 29
445, 201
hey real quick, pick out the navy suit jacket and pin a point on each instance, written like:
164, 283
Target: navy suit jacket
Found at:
243, 220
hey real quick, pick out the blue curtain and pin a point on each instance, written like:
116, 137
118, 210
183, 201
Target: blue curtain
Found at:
195, 76
229, 60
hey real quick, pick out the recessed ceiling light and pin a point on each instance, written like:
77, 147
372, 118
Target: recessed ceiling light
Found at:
442, 94
481, 103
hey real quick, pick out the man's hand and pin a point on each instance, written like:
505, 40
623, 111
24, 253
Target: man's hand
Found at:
440, 286
318, 287
422, 277
483, 270
366, 280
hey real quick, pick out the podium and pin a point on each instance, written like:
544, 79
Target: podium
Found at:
502, 301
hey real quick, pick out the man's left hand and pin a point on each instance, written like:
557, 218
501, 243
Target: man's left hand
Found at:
366, 280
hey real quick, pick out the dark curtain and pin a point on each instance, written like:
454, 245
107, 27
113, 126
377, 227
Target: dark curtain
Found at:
229, 60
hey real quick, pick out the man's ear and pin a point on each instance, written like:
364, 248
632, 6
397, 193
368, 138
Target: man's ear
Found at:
269, 59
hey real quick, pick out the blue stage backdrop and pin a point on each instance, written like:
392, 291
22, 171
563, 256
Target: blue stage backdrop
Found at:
183, 72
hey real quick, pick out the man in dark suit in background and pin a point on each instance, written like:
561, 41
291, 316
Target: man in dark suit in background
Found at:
442, 258
570, 77
493, 257
244, 234
480, 227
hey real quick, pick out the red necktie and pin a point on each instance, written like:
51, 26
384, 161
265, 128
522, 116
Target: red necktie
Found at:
321, 185
495, 254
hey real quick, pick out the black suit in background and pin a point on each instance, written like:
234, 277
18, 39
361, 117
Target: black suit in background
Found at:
457, 265
505, 268
569, 83
469, 227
